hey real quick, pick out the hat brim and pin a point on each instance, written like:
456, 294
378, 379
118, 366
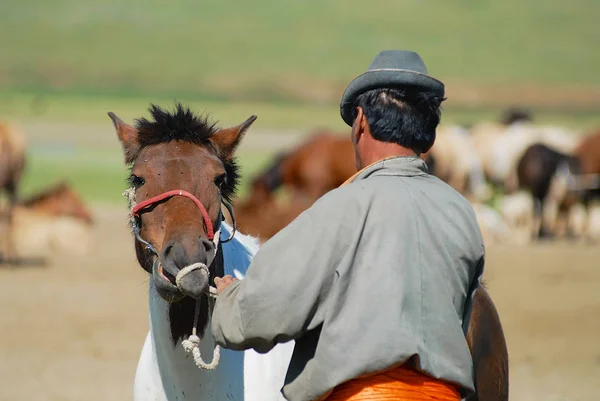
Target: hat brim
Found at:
386, 78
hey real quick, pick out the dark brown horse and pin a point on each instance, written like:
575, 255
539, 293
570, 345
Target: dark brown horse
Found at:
546, 174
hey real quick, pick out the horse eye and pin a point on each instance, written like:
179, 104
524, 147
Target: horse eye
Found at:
220, 180
136, 181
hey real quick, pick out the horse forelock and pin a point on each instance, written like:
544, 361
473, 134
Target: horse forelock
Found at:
182, 124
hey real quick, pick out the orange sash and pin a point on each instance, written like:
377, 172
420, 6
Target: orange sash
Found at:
399, 384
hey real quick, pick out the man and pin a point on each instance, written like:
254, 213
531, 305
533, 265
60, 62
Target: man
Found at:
374, 282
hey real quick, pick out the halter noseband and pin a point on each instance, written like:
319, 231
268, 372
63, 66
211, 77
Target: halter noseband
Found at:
139, 208
136, 211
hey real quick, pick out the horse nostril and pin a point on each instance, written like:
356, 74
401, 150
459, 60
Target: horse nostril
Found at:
209, 246
168, 250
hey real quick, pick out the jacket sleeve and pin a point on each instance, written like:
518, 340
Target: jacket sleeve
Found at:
287, 283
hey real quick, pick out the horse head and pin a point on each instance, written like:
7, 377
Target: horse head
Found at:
182, 169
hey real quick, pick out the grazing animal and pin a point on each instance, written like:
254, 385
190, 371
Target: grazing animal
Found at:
315, 167
517, 210
546, 174
501, 147
52, 220
457, 164
588, 154
182, 169
12, 164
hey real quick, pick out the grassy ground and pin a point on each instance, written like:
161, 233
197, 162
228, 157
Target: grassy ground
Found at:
44, 106
71, 137
304, 50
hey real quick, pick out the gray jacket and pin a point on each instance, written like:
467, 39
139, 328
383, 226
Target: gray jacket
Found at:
375, 273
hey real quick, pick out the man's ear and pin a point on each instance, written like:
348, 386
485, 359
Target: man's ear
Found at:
360, 125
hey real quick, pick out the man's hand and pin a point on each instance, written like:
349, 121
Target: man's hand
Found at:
224, 282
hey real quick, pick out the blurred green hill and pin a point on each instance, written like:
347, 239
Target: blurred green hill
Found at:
489, 52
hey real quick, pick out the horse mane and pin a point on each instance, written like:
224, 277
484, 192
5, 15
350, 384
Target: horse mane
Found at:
182, 124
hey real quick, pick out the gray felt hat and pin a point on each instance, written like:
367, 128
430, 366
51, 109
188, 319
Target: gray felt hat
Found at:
390, 69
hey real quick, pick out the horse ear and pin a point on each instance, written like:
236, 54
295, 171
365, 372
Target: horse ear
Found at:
128, 136
228, 139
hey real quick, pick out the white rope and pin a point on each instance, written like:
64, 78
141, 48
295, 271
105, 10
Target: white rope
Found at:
212, 291
192, 344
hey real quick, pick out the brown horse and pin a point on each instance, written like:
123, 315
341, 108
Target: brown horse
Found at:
59, 199
182, 168
322, 163
588, 153
52, 220
315, 167
12, 164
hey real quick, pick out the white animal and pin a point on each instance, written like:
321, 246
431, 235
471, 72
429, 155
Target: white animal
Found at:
168, 373
500, 148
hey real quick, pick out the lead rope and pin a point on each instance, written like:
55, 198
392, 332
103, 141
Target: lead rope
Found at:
192, 344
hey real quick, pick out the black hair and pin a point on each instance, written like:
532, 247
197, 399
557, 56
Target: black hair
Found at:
182, 124
407, 117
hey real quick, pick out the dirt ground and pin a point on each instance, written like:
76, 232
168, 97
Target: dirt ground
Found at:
73, 330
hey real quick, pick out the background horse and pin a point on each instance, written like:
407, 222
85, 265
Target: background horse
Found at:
175, 231
12, 164
313, 168
54, 219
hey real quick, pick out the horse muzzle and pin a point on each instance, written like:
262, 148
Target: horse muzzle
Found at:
191, 281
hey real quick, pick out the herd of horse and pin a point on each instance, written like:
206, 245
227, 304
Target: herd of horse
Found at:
525, 181
54, 219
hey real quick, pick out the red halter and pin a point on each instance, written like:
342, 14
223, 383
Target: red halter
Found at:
176, 192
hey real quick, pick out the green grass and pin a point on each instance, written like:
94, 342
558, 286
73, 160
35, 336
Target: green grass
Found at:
288, 50
100, 177
45, 107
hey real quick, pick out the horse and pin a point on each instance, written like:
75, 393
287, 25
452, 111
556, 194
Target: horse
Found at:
12, 165
313, 168
500, 147
59, 199
262, 215
51, 220
182, 169
548, 175
588, 154
323, 162
450, 160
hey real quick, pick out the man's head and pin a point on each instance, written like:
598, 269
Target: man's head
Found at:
393, 108
397, 121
